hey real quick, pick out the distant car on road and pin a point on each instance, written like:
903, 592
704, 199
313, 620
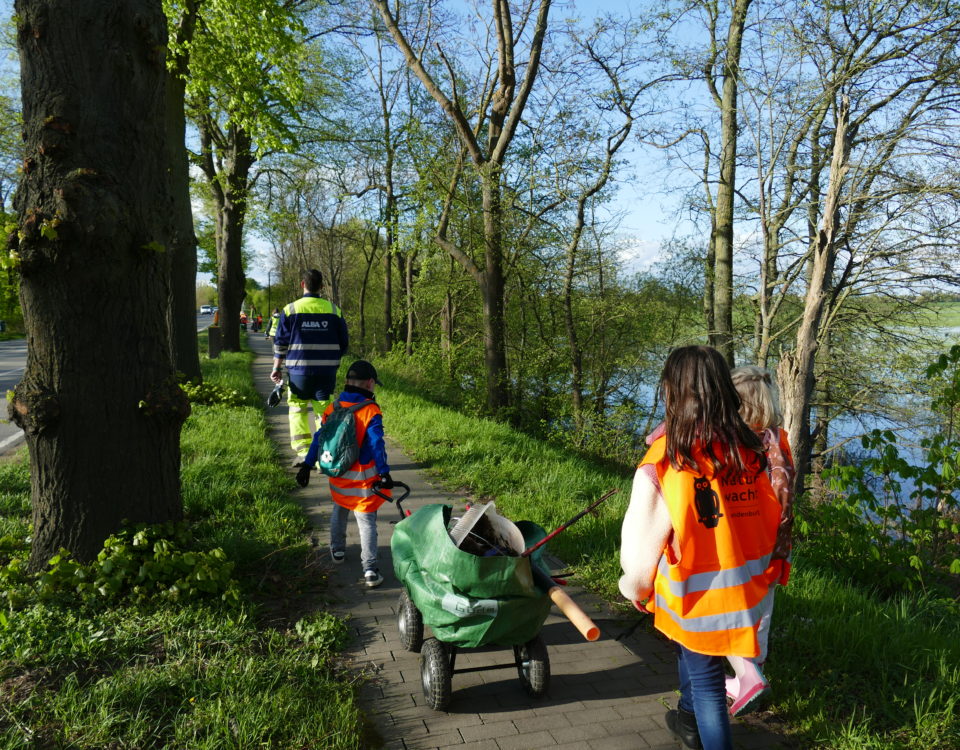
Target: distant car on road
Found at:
207, 309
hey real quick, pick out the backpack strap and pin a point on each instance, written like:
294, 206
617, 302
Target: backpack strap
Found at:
353, 407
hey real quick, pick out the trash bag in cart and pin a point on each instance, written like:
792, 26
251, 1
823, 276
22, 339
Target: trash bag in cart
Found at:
467, 601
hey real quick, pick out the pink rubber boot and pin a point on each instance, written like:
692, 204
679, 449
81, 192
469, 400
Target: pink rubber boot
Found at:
751, 686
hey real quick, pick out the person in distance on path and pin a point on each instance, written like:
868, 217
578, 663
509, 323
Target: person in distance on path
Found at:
272, 323
698, 537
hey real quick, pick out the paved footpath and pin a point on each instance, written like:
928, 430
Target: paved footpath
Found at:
608, 695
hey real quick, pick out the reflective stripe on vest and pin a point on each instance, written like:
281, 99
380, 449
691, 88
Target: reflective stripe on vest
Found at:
300, 354
312, 362
716, 579
353, 489
708, 597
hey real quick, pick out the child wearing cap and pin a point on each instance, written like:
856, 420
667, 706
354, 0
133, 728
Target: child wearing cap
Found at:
353, 490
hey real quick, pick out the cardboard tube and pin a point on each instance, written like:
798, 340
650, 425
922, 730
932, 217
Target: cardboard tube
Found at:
578, 618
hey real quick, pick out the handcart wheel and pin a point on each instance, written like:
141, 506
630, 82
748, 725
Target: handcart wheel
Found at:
410, 623
435, 674
533, 666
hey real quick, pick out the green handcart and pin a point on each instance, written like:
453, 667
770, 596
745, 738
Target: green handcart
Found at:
468, 601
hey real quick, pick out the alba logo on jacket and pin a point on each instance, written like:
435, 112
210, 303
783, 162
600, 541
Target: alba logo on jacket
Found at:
314, 324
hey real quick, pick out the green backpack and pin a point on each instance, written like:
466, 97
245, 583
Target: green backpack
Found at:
339, 447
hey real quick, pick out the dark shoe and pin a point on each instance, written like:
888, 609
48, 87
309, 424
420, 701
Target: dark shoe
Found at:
684, 725
372, 578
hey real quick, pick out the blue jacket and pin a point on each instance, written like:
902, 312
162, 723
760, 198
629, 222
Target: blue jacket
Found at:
311, 335
373, 447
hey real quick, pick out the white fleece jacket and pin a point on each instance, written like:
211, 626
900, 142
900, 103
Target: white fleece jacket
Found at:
645, 533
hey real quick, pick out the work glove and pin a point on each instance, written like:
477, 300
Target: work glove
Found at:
303, 475
386, 481
276, 395
641, 607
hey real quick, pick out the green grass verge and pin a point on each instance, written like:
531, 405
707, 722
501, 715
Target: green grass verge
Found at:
848, 670
200, 674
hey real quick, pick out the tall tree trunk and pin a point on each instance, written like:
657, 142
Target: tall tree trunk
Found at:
723, 225
367, 266
390, 209
98, 401
229, 188
387, 300
494, 339
182, 242
408, 287
796, 370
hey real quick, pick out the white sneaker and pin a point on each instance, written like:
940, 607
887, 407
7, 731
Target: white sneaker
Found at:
372, 578
338, 556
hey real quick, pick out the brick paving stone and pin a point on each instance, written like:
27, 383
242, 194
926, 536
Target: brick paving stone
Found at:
661, 737
619, 742
598, 715
580, 733
529, 723
529, 741
636, 724
442, 722
423, 742
618, 687
396, 703
562, 707
478, 745
492, 731
583, 691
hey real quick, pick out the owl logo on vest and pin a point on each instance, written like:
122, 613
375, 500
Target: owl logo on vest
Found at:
707, 503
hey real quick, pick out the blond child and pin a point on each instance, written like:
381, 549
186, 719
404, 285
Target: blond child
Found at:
760, 410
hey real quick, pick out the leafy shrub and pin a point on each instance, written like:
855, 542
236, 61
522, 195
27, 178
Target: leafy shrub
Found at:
137, 564
892, 524
323, 632
210, 394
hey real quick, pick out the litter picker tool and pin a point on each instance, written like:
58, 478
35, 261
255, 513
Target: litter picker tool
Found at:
581, 514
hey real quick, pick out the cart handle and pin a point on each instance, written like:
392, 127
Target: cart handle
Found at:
406, 491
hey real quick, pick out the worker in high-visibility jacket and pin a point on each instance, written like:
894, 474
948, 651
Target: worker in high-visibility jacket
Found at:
698, 538
272, 323
354, 490
310, 338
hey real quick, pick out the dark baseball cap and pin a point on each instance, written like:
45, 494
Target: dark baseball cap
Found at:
363, 370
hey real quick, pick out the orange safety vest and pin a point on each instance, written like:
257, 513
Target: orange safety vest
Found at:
707, 597
354, 488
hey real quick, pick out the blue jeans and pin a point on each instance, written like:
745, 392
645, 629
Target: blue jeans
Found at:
703, 693
367, 523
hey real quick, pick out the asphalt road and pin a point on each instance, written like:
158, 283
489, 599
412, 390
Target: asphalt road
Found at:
13, 359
